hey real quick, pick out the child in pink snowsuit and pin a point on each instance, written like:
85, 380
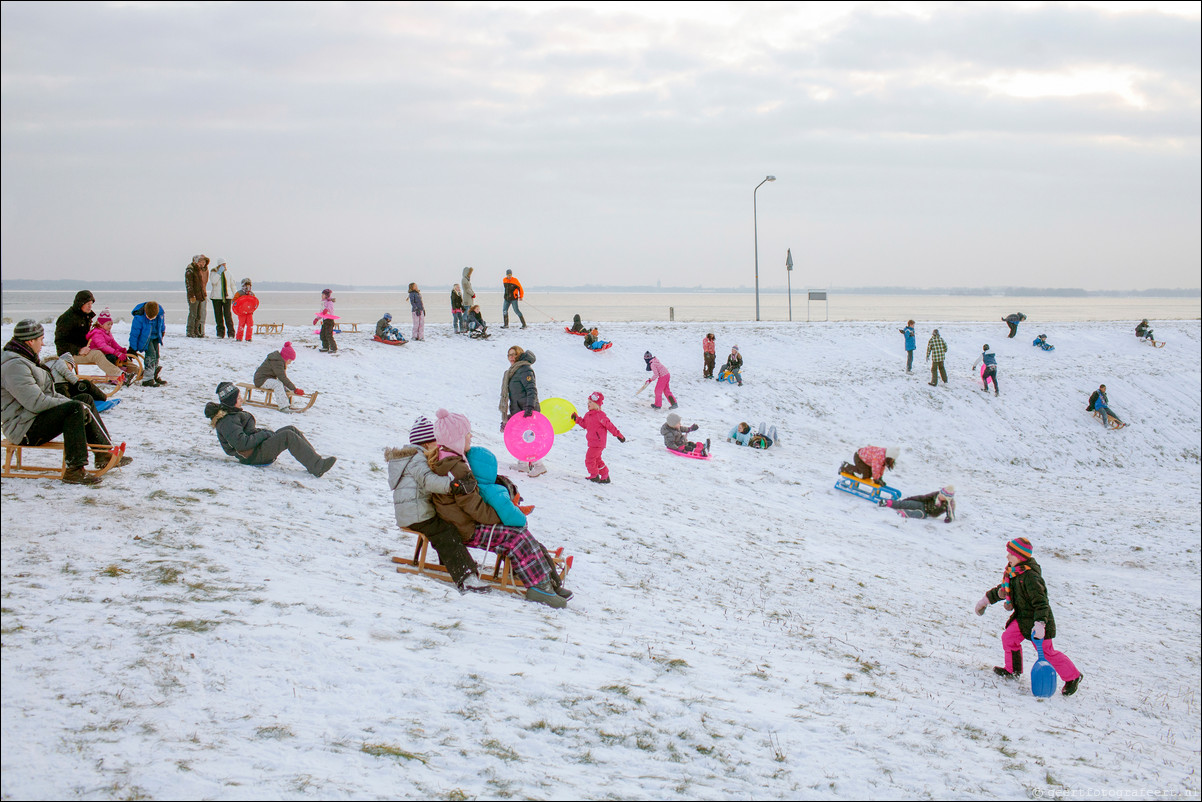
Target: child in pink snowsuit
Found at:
661, 377
100, 338
1023, 591
597, 424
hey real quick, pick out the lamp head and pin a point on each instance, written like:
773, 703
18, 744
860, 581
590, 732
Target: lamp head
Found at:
770, 178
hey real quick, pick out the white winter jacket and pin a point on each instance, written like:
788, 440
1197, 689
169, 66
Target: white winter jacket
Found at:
25, 390
412, 483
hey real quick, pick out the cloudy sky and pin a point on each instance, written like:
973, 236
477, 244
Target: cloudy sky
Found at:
917, 144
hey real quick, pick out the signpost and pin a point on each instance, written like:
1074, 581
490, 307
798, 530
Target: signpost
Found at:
817, 295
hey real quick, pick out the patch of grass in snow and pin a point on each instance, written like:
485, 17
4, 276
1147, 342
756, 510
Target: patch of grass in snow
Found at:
208, 491
195, 625
114, 570
68, 569
166, 574
119, 791
499, 750
542, 724
274, 732
390, 750
456, 794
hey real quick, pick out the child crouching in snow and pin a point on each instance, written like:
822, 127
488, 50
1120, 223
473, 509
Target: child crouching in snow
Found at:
273, 375
1023, 591
676, 437
597, 424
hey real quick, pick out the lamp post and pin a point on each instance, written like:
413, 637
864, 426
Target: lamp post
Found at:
756, 225
789, 273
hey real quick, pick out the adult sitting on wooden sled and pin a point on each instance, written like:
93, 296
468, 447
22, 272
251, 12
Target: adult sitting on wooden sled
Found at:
32, 413
413, 483
479, 524
251, 445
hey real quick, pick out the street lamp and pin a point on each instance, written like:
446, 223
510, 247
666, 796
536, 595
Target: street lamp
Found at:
756, 224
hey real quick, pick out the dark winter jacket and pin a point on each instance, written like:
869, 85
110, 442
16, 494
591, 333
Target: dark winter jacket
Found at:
456, 301
523, 388
144, 331
676, 439
589, 339
273, 367
474, 320
577, 326
71, 328
1097, 401
236, 431
733, 362
415, 302
1016, 318
464, 511
1029, 596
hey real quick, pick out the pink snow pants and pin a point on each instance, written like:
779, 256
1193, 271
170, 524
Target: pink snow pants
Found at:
419, 325
662, 389
594, 464
1012, 640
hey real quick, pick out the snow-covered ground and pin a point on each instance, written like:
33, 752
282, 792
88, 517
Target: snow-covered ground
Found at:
196, 628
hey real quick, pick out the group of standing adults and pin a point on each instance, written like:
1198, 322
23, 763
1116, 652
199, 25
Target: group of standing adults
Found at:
214, 285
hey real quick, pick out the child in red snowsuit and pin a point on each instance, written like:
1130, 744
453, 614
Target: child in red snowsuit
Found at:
597, 424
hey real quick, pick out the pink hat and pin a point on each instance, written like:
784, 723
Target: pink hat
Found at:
288, 352
597, 398
451, 430
104, 317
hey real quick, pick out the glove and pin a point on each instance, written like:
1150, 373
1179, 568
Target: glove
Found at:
574, 418
693, 428
462, 487
947, 520
981, 605
621, 439
1037, 630
502, 425
298, 391
528, 413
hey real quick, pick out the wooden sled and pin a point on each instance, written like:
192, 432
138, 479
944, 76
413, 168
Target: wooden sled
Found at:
1154, 343
502, 572
269, 328
375, 339
1113, 423
16, 452
248, 399
104, 384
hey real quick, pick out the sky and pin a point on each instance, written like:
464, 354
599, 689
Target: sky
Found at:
913, 144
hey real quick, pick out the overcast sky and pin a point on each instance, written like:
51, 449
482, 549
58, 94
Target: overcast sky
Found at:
915, 144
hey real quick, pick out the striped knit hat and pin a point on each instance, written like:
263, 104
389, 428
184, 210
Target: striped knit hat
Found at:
28, 329
1020, 547
422, 431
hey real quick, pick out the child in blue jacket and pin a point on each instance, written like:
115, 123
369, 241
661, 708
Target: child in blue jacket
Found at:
146, 335
908, 333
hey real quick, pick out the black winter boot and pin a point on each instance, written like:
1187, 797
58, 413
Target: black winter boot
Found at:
1016, 660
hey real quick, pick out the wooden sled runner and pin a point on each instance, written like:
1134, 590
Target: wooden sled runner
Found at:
502, 572
1113, 423
15, 452
248, 399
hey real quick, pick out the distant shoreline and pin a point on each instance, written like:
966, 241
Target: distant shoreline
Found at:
73, 285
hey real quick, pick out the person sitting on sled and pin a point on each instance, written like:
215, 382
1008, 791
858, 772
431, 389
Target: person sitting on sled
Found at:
740, 434
272, 375
932, 505
733, 366
1042, 342
1024, 592
871, 462
1143, 330
676, 437
386, 331
577, 326
1098, 402
593, 341
474, 321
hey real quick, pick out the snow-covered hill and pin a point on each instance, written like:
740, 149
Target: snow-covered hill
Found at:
197, 628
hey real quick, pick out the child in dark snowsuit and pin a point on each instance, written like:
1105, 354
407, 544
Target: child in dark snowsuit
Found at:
1012, 321
577, 326
932, 505
1023, 591
593, 341
597, 424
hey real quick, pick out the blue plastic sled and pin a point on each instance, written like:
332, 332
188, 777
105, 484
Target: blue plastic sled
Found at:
866, 489
1043, 674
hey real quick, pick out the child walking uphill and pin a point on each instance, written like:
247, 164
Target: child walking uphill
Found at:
457, 310
273, 375
245, 304
661, 377
1023, 592
709, 346
327, 317
146, 334
413, 483
599, 426
676, 437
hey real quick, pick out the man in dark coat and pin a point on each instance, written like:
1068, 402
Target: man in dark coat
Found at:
71, 335
196, 284
241, 438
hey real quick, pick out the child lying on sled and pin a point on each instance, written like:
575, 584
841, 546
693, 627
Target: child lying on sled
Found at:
676, 437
